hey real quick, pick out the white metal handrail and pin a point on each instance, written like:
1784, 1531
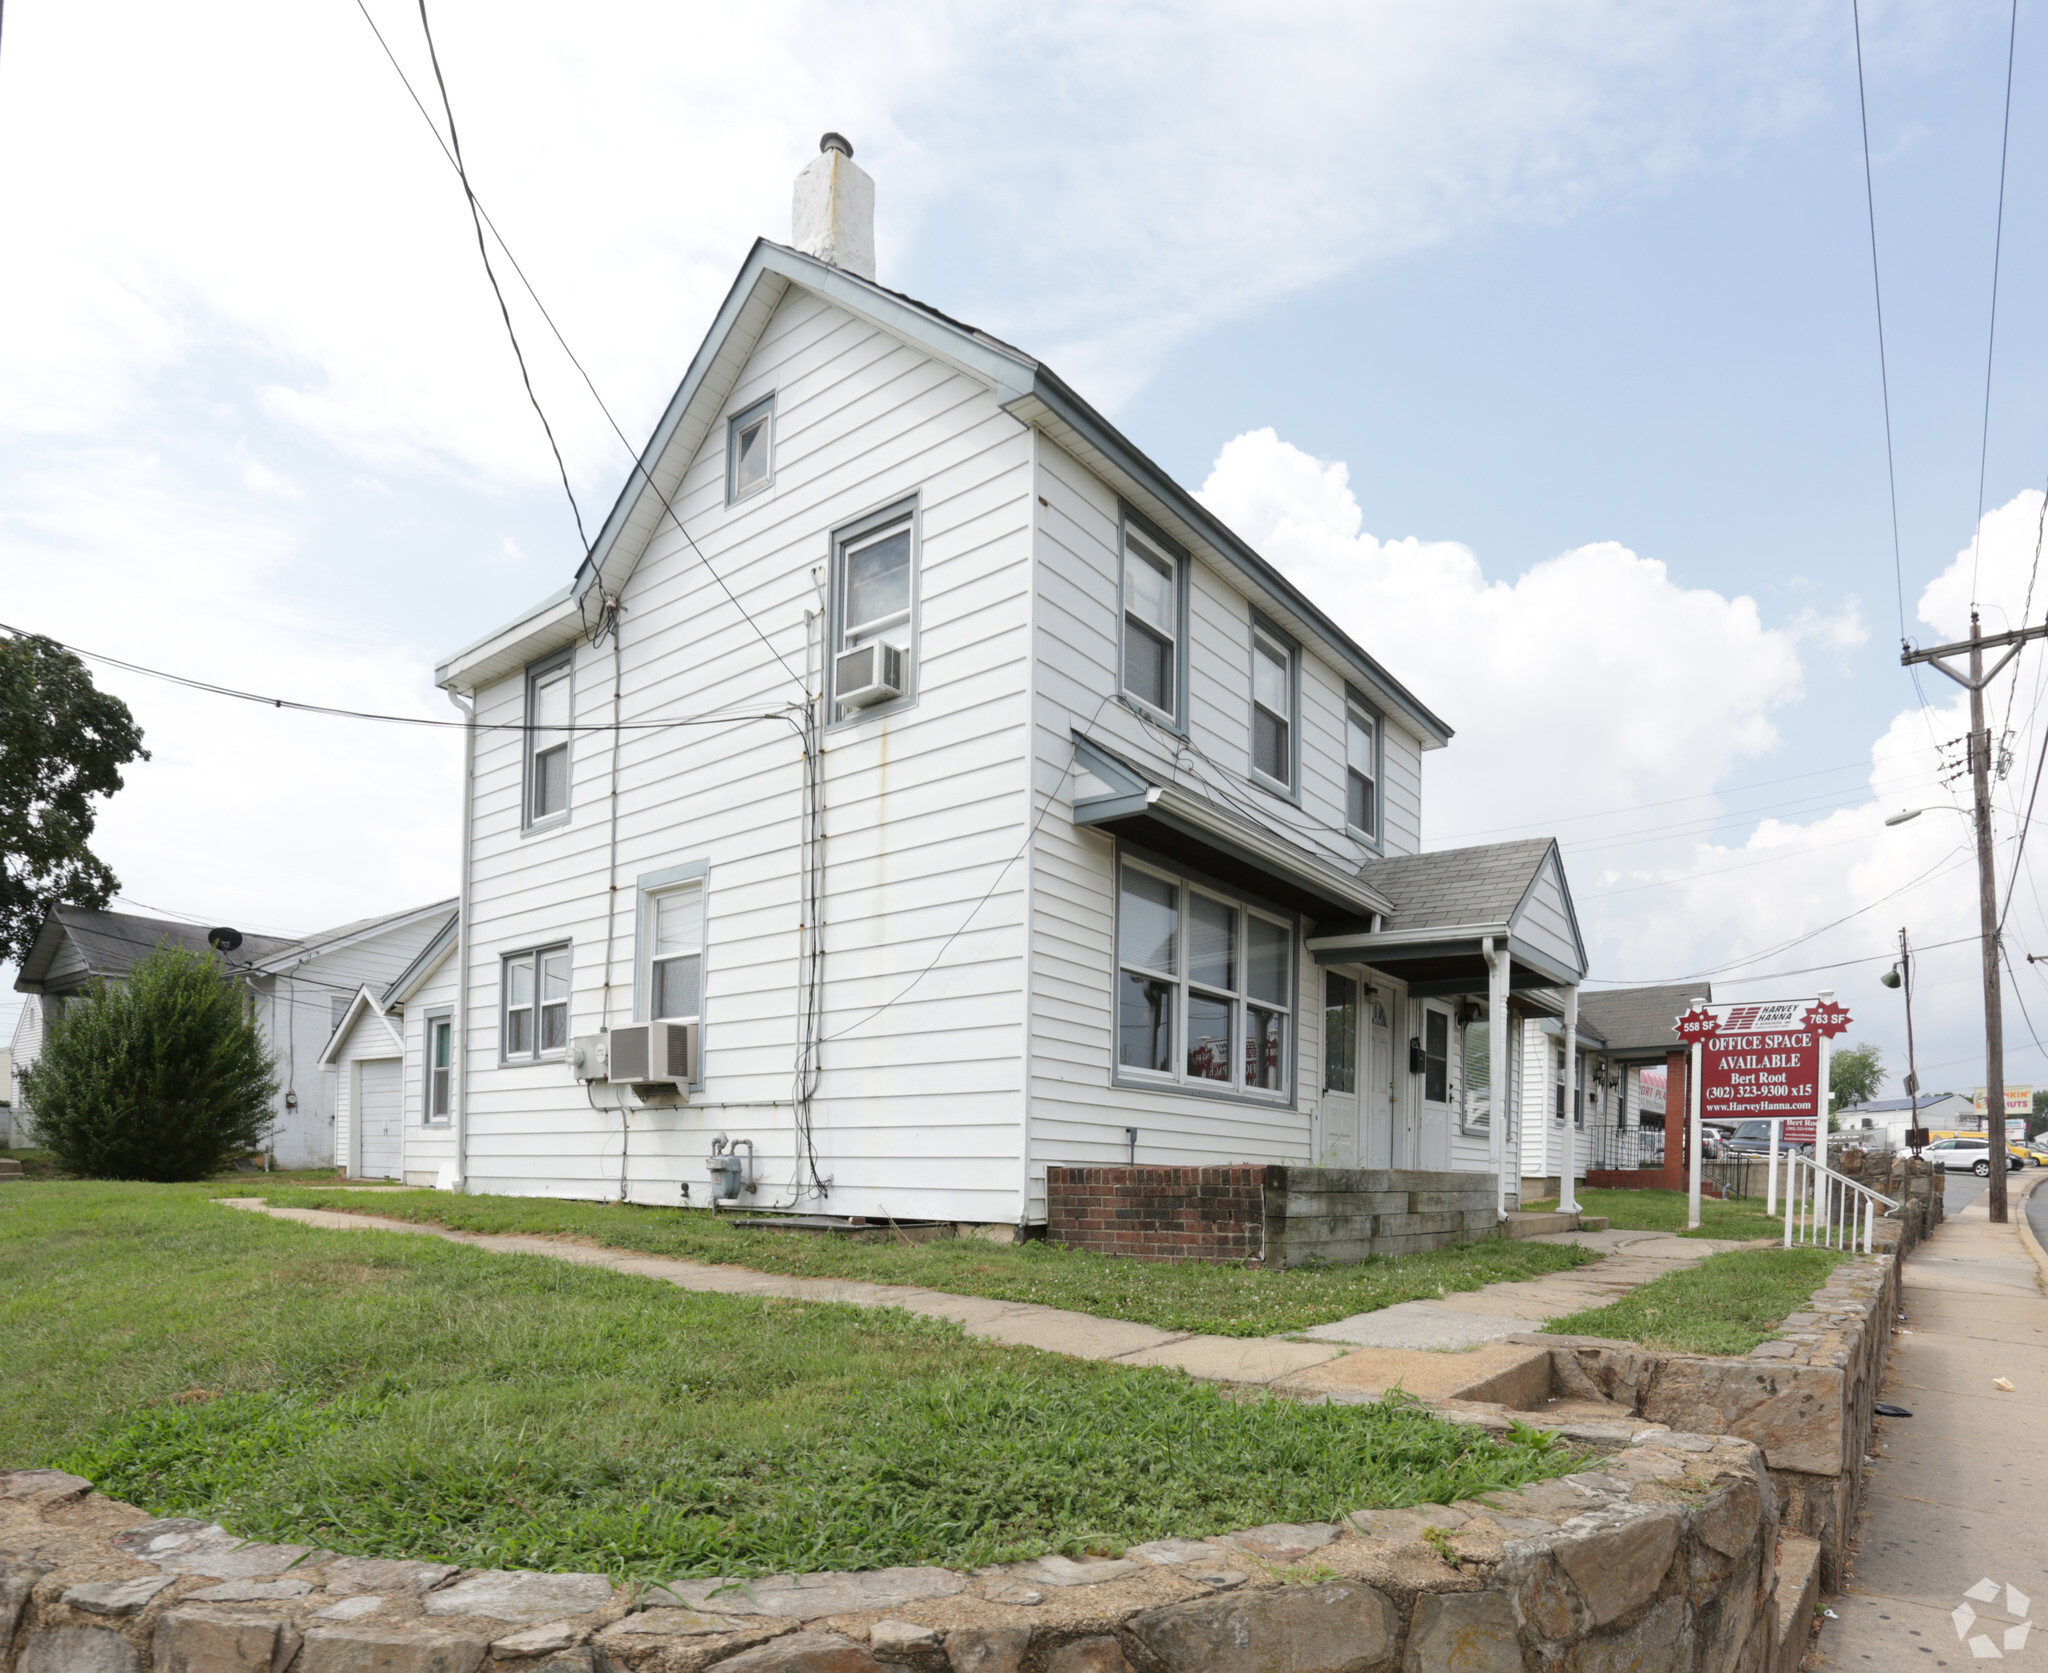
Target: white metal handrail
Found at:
1829, 1210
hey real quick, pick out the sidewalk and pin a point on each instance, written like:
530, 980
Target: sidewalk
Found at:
1456, 1322
1959, 1493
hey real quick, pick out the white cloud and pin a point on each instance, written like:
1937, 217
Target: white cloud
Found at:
1593, 684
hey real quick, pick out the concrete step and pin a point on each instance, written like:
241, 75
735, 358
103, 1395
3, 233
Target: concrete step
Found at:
1798, 1600
1523, 1223
10, 1168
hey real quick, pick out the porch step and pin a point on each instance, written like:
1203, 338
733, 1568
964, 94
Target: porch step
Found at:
1523, 1224
10, 1167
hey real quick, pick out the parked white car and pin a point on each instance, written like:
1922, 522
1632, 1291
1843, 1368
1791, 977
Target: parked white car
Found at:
1967, 1155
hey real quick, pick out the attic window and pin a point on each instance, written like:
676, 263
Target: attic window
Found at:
749, 450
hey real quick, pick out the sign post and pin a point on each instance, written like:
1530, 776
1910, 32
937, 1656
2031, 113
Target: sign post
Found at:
1696, 1026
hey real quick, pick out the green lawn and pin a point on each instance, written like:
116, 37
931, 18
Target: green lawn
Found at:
1175, 1295
404, 1395
1725, 1305
1665, 1211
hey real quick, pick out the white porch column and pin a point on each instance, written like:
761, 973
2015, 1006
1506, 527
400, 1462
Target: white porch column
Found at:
1500, 1071
1567, 1185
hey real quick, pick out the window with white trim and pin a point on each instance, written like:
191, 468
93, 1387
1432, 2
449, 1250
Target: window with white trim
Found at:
535, 1021
1274, 668
749, 450
874, 589
1362, 771
435, 1100
674, 978
1205, 987
1151, 627
548, 712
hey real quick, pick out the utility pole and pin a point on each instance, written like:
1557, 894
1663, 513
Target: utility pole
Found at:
1905, 979
1974, 683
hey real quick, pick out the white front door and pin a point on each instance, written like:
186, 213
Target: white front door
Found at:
1436, 1086
1386, 1135
380, 1119
1343, 1068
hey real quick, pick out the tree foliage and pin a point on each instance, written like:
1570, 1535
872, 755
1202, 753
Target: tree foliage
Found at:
1854, 1075
62, 742
162, 1077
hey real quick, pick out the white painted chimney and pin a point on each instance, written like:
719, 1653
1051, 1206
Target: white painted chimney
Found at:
833, 217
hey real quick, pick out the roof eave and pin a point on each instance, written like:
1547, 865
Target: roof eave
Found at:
1186, 517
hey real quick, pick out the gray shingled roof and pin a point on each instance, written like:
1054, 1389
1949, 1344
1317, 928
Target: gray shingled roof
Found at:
1640, 1019
113, 943
1479, 885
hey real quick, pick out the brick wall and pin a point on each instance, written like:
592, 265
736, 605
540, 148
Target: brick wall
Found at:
1265, 1214
1161, 1214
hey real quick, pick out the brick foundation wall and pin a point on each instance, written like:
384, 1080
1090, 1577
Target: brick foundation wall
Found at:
1267, 1214
1161, 1214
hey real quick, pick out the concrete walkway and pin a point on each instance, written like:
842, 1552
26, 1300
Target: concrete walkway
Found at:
1956, 1506
1457, 1322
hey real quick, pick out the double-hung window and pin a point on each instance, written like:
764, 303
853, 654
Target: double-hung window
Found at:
440, 1056
1205, 989
874, 588
1274, 671
1362, 770
536, 1004
1152, 585
749, 450
547, 742
675, 954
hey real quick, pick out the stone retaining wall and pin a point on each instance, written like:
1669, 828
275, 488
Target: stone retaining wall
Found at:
1661, 1555
1275, 1215
1804, 1399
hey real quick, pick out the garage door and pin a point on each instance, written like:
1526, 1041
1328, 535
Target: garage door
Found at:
380, 1119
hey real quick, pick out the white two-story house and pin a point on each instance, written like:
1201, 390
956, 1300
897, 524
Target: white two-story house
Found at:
986, 801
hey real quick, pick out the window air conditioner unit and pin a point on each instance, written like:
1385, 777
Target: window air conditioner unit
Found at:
868, 674
645, 1052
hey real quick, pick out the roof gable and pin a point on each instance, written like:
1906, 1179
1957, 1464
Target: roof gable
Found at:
361, 1009
1025, 388
111, 944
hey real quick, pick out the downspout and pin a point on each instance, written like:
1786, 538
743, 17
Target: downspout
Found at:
460, 1044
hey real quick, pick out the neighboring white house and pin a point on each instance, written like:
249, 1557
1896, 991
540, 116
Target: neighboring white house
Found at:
299, 988
393, 1054
985, 801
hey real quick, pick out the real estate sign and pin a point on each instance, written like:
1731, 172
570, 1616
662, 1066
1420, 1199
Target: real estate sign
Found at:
1763, 1061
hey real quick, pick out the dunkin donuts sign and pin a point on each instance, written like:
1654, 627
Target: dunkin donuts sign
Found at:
1763, 1060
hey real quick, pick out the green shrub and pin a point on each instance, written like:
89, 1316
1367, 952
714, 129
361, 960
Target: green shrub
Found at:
163, 1077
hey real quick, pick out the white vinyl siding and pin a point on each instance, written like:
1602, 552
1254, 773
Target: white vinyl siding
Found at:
918, 1112
1545, 921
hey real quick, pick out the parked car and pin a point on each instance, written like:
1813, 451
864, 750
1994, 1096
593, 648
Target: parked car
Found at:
1967, 1155
1753, 1138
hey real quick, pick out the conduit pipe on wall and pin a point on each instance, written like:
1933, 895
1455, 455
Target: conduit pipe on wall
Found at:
460, 1097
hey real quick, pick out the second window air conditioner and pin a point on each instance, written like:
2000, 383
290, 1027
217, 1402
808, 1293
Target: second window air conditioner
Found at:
868, 674
647, 1052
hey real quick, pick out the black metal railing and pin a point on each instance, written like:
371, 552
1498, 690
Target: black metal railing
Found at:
1622, 1149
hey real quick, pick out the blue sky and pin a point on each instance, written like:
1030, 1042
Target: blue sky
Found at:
1574, 299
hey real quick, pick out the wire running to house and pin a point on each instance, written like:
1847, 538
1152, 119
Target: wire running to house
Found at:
589, 383
714, 717
483, 250
1877, 293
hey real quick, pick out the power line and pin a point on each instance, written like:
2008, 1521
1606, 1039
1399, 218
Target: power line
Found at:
483, 250
1991, 334
589, 383
1877, 294
714, 718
